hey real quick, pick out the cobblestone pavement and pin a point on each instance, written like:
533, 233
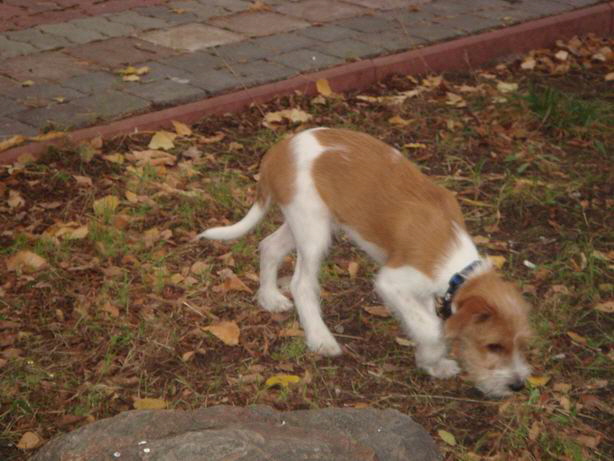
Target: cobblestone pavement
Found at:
59, 59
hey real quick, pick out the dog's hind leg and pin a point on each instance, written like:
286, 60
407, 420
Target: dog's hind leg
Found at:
273, 249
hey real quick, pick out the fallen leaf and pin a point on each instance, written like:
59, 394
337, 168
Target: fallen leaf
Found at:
181, 128
282, 380
217, 137
131, 78
259, 5
534, 431
162, 140
577, 338
12, 141
538, 381
78, 233
497, 260
199, 267
455, 100
505, 87
105, 205
353, 269
114, 158
27, 261
48, 136
29, 441
83, 180
447, 437
150, 404
398, 121
231, 283
226, 331
404, 341
187, 356
588, 441
27, 83
608, 78
528, 64
323, 87
292, 115
377, 311
606, 306
415, 145
131, 197
110, 309
15, 199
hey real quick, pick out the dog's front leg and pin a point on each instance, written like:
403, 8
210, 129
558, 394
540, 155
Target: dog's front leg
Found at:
406, 291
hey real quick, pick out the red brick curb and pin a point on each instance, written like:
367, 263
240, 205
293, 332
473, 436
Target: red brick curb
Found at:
463, 53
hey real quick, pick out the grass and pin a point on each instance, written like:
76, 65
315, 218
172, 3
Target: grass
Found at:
532, 171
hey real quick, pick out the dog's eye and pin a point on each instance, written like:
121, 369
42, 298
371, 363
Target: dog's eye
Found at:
495, 348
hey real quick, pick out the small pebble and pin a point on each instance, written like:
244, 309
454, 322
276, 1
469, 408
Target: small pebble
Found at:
146, 450
117, 454
142, 442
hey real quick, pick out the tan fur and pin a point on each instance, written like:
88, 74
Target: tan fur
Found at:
391, 203
277, 174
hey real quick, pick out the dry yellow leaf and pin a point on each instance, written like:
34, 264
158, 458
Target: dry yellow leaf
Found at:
398, 120
11, 142
181, 128
259, 5
48, 136
131, 78
131, 197
608, 78
199, 267
538, 381
29, 441
114, 158
528, 64
606, 306
497, 261
353, 269
404, 341
292, 115
162, 140
226, 331
447, 437
323, 87
83, 180
105, 205
27, 261
150, 404
377, 311
78, 233
577, 338
455, 100
562, 55
282, 380
505, 87
415, 145
110, 309
15, 199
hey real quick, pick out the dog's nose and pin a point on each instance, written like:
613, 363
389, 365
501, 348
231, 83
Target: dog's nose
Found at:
517, 385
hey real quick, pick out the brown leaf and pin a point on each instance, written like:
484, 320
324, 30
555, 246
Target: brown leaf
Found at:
15, 199
11, 142
27, 261
231, 283
83, 180
323, 87
181, 128
226, 331
259, 5
217, 137
163, 140
378, 311
150, 404
606, 306
110, 309
577, 338
29, 441
199, 267
353, 269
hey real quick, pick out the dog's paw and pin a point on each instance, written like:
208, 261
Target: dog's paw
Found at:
444, 368
324, 344
274, 301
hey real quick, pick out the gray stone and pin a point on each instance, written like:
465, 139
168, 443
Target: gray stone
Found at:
56, 117
306, 60
105, 27
370, 24
71, 32
544, 7
350, 48
10, 127
241, 52
434, 32
165, 92
259, 72
282, 43
190, 37
216, 81
158, 71
473, 23
92, 82
194, 63
10, 48
38, 39
257, 433
44, 94
111, 104
327, 33
393, 41
229, 5
173, 17
137, 21
202, 11
258, 23
9, 106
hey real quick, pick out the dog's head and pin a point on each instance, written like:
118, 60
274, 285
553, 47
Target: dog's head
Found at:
489, 331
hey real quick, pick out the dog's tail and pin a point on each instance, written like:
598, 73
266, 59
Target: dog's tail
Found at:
239, 229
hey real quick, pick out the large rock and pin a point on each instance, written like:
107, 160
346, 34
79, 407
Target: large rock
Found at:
246, 434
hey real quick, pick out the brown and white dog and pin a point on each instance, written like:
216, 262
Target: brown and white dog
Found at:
325, 180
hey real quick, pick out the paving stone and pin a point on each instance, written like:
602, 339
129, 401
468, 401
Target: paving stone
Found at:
433, 32
408, 18
370, 24
56, 117
71, 32
327, 33
393, 41
111, 104
44, 94
137, 21
166, 14
244, 51
190, 37
105, 27
320, 10
579, 3
159, 71
10, 127
306, 60
544, 7
473, 23
9, 106
350, 48
387, 4
448, 8
38, 39
281, 43
166, 92
92, 82
120, 51
257, 23
259, 72
8, 86
194, 63
229, 5
50, 66
216, 81
201, 10
10, 48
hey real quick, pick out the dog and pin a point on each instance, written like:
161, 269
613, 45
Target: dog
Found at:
327, 180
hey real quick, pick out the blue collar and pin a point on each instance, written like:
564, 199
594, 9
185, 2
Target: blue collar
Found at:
455, 283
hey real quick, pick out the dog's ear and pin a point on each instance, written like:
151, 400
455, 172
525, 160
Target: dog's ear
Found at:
470, 311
